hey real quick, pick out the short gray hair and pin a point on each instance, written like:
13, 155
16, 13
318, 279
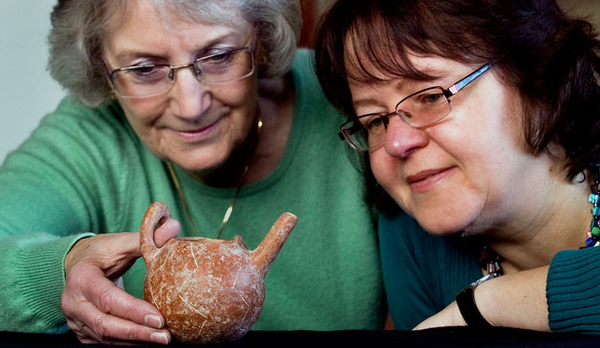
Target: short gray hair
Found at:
78, 27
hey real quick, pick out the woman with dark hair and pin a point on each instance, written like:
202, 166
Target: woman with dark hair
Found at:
480, 119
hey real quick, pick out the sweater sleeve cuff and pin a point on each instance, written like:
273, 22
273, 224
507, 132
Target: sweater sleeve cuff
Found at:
40, 273
573, 291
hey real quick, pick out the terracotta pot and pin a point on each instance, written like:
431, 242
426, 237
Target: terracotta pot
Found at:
208, 290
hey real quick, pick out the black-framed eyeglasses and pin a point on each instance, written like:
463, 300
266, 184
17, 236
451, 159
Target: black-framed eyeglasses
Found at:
420, 109
221, 66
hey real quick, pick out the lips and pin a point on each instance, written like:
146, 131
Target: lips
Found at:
193, 131
425, 180
198, 133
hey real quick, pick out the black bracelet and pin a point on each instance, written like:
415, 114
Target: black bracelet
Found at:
465, 300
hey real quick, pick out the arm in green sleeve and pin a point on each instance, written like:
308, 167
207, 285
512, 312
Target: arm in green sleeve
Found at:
32, 276
573, 291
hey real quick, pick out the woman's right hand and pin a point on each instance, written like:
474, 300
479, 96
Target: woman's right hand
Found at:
97, 310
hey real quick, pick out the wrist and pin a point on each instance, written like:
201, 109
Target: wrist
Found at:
72, 256
467, 304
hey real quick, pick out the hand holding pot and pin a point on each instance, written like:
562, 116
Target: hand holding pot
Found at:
208, 290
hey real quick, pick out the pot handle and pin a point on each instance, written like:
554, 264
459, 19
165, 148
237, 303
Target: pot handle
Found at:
157, 214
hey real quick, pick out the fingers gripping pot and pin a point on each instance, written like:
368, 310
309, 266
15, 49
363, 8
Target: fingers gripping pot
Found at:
208, 290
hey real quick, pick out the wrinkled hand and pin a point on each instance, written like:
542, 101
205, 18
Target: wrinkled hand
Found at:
97, 310
449, 316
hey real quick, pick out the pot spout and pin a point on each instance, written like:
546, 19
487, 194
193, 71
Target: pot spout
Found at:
267, 250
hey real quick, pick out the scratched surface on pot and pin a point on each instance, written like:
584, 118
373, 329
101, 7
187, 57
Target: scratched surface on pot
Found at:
208, 291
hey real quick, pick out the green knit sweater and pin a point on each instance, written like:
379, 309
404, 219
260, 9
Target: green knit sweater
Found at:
422, 274
85, 171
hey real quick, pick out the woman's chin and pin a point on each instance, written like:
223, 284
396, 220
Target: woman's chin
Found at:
448, 219
440, 231
442, 227
202, 159
198, 168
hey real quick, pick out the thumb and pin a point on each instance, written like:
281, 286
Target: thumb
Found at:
166, 231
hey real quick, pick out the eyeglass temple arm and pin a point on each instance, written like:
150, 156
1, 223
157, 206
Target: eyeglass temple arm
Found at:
350, 130
468, 79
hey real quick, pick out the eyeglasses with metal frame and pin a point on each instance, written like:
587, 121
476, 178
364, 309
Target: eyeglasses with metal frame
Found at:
419, 110
220, 66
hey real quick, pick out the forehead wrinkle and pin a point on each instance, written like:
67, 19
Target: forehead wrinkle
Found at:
136, 49
224, 12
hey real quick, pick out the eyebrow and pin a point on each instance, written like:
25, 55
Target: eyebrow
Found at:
436, 73
130, 54
372, 100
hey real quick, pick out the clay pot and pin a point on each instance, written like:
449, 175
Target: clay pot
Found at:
208, 290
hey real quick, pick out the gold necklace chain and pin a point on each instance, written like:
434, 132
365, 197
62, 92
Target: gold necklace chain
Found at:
235, 196
182, 197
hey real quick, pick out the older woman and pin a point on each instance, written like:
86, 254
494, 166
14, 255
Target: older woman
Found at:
203, 105
481, 119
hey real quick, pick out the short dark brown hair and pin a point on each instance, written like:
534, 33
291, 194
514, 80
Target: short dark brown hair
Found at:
550, 59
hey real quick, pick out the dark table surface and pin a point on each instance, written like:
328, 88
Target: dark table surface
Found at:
441, 337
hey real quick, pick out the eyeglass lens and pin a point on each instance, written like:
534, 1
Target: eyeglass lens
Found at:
418, 110
218, 68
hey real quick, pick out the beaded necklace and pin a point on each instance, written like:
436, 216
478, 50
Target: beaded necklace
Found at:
490, 262
593, 234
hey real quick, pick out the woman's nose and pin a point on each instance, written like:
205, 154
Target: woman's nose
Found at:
401, 139
191, 98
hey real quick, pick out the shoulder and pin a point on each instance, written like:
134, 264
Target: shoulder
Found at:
421, 272
77, 135
398, 229
304, 74
304, 59
75, 114
408, 247
401, 240
78, 161
310, 98
87, 126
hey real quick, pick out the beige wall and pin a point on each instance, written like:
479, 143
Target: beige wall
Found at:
585, 9
26, 90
